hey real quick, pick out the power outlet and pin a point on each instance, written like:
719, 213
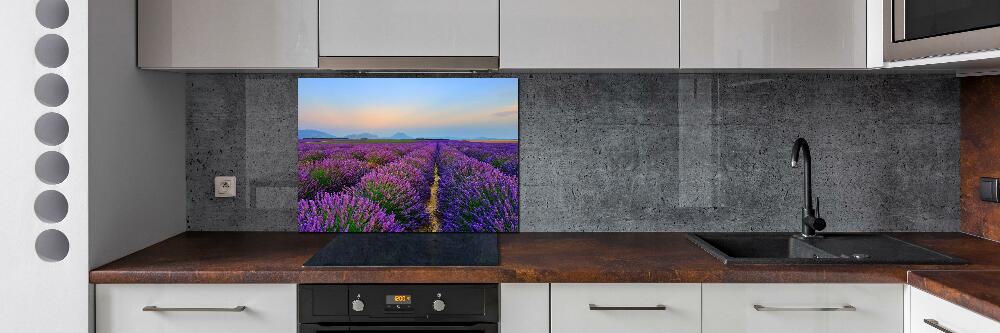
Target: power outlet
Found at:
988, 189
225, 187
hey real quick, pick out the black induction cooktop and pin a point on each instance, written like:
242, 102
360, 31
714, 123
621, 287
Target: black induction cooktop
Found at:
408, 249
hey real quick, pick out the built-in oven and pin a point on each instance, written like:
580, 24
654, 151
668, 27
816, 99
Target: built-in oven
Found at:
386, 308
928, 28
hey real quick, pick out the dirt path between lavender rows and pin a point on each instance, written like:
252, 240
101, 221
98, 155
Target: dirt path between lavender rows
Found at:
432, 203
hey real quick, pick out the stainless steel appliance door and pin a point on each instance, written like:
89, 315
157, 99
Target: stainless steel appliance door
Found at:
927, 28
916, 19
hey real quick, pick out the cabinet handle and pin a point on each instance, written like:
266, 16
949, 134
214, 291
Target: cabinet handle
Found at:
660, 307
848, 307
154, 308
935, 324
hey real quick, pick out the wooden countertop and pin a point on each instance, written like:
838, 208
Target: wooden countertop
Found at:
275, 257
978, 291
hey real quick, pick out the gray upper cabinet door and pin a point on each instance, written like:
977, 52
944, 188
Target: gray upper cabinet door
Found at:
773, 34
589, 34
409, 28
227, 33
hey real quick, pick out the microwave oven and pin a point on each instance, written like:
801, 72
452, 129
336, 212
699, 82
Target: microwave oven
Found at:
915, 29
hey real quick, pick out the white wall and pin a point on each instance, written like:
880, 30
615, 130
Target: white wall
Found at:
38, 295
126, 129
137, 126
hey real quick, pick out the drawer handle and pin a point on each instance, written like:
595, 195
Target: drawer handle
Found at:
658, 307
154, 308
848, 307
935, 324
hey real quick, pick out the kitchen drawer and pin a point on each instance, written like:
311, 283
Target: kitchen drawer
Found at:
626, 307
776, 308
269, 308
948, 316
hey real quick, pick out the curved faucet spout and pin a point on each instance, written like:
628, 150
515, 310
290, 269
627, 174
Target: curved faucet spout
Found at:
800, 144
807, 188
810, 222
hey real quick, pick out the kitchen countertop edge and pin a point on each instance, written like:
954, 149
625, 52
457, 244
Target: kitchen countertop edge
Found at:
968, 289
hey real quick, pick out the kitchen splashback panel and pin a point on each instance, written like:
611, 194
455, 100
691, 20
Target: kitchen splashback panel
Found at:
639, 152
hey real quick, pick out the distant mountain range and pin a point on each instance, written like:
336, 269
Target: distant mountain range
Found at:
481, 138
362, 136
314, 134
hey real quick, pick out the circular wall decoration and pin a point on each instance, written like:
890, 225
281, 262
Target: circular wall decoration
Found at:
52, 167
51, 90
51, 129
52, 245
51, 51
51, 206
52, 13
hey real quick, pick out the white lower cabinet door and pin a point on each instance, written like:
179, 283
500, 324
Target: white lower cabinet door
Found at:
191, 308
625, 307
524, 308
930, 314
802, 308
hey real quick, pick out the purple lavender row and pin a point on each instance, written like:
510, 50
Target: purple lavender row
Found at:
503, 156
329, 176
343, 212
475, 196
332, 167
393, 187
374, 154
401, 188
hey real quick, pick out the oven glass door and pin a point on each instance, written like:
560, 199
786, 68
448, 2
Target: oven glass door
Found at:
475, 328
916, 19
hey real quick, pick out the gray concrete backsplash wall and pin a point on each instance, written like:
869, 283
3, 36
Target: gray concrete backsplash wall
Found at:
639, 152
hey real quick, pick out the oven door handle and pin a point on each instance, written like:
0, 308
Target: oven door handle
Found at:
312, 328
481, 327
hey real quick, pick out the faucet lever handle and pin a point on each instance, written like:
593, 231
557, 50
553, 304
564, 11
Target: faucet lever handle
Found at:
817, 206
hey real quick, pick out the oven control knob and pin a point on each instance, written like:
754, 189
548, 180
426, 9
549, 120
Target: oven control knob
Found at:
438, 305
358, 305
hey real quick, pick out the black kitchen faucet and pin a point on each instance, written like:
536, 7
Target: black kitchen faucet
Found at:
810, 221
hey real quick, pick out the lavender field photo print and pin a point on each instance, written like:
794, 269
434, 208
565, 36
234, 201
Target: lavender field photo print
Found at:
408, 155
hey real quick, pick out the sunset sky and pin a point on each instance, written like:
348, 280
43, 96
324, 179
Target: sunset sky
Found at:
420, 107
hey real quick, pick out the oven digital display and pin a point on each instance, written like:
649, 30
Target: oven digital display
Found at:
398, 299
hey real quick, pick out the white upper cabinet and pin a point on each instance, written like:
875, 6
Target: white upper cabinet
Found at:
775, 34
227, 33
522, 34
408, 28
589, 34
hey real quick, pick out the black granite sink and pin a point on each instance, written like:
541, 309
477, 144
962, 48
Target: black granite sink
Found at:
838, 248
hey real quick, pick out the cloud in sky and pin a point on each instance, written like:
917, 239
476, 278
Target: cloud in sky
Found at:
419, 107
507, 113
